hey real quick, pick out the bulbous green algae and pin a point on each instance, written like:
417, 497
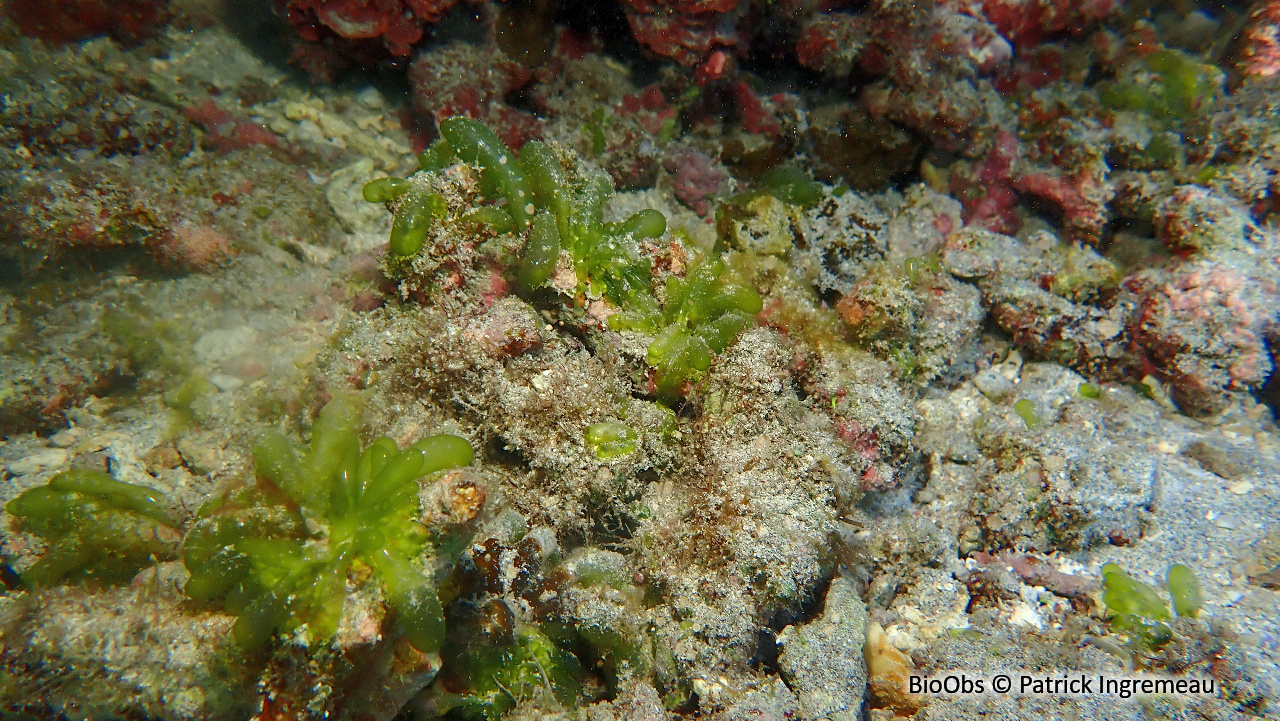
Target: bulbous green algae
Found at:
702, 315
278, 553
647, 223
547, 179
541, 250
476, 143
1026, 409
1136, 607
492, 216
384, 190
438, 156
1185, 590
792, 185
1089, 390
412, 222
610, 440
97, 528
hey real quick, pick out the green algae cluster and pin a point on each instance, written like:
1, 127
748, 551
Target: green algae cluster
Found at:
494, 676
539, 198
278, 554
97, 529
1175, 88
610, 440
702, 314
1137, 608
559, 210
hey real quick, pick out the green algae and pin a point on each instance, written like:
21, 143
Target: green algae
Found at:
610, 440
413, 219
701, 316
476, 143
793, 186
1026, 409
278, 554
541, 251
97, 529
606, 257
384, 190
1135, 607
1176, 89
497, 675
1184, 588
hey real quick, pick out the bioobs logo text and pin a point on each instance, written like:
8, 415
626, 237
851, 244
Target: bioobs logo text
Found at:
1063, 685
951, 685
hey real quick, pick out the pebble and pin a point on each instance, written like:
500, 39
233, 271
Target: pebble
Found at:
993, 384
46, 459
225, 383
222, 344
370, 98
66, 437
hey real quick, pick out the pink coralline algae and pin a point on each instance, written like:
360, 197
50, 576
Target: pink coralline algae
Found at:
1027, 23
1081, 198
1204, 324
1204, 334
683, 30
931, 64
463, 79
398, 23
649, 108
227, 131
988, 194
696, 178
1260, 46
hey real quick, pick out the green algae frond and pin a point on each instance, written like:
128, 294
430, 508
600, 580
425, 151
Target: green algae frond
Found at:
278, 554
793, 186
702, 315
98, 529
501, 674
500, 173
1180, 87
1026, 409
610, 440
1185, 591
1136, 608
541, 196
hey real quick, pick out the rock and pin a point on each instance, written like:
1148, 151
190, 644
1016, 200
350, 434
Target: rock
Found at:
820, 659
225, 383
888, 672
1221, 459
46, 459
222, 344
993, 384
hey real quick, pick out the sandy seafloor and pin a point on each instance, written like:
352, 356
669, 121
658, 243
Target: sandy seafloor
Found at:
753, 566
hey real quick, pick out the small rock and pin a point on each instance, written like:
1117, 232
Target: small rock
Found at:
370, 98
201, 459
66, 438
993, 384
225, 383
162, 457
46, 459
888, 673
1221, 459
222, 344
821, 660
